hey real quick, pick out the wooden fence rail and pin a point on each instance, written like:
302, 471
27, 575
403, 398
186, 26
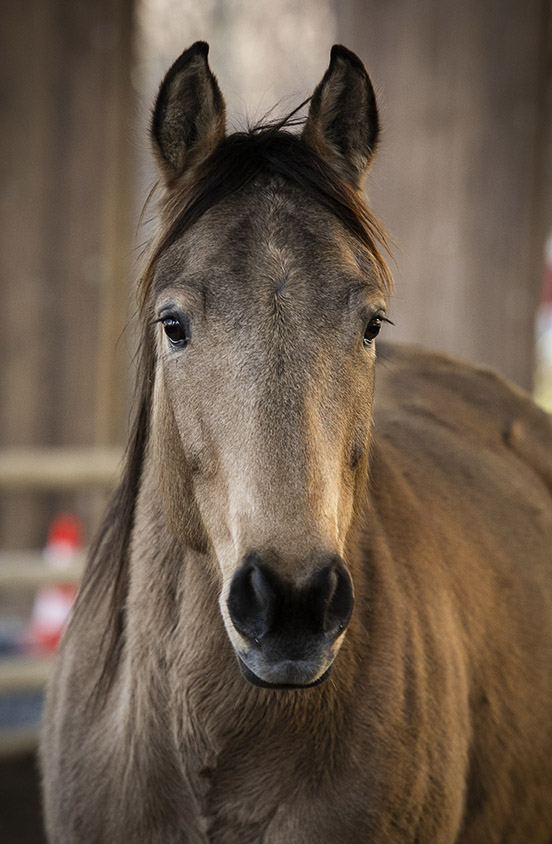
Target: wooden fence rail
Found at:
58, 468
27, 570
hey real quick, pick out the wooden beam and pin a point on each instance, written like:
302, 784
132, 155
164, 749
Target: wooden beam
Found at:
59, 468
24, 673
28, 570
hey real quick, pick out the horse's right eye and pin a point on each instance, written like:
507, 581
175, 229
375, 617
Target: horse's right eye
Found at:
175, 331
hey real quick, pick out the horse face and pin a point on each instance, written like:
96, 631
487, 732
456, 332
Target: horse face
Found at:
266, 311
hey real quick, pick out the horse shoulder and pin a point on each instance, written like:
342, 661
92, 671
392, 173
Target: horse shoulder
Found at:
461, 482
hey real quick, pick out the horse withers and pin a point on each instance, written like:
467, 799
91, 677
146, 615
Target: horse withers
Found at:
320, 609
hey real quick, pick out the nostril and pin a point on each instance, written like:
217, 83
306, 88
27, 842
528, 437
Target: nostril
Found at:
341, 603
264, 593
252, 601
335, 598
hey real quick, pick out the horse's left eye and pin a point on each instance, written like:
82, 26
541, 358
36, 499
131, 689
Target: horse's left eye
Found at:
372, 330
175, 331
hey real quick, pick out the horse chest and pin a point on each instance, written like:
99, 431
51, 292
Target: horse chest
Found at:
236, 793
260, 788
259, 783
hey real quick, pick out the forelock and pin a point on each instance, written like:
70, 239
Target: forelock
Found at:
269, 150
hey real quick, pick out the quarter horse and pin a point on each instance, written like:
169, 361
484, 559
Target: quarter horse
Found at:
319, 611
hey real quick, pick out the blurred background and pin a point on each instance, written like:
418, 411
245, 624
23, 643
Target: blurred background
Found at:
463, 181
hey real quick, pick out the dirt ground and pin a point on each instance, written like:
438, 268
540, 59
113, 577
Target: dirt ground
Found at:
20, 813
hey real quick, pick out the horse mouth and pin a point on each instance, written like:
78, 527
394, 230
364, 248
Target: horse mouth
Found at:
263, 684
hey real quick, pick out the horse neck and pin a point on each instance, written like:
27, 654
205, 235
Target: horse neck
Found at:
169, 583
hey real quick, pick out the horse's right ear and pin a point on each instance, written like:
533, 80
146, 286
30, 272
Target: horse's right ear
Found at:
189, 115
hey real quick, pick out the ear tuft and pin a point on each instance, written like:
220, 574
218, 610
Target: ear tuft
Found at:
343, 123
189, 113
338, 51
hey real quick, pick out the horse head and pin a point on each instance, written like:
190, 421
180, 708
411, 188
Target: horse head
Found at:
263, 301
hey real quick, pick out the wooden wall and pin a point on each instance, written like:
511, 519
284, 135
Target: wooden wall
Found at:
464, 174
66, 150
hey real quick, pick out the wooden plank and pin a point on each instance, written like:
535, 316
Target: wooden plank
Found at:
29, 570
67, 468
26, 673
28, 395
118, 225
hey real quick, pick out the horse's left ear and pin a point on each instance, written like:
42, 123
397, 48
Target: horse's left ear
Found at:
189, 114
343, 123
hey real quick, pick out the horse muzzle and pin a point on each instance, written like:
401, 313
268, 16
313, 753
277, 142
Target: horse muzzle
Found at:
288, 674
289, 633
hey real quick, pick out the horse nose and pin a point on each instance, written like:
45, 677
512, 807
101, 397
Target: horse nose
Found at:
264, 606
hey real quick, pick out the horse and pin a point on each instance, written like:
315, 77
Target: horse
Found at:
319, 610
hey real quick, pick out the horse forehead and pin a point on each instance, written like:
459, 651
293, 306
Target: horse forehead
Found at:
265, 244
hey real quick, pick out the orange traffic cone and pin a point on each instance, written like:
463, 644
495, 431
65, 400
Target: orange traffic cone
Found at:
54, 602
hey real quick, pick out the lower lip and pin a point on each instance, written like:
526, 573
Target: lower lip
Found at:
256, 681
